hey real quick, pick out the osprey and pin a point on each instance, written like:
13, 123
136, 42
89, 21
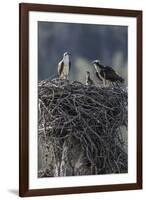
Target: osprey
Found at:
89, 81
64, 66
106, 73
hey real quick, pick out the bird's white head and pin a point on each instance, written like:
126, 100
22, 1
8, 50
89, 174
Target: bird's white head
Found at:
66, 54
66, 57
96, 64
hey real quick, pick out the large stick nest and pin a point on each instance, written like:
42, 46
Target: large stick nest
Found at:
90, 115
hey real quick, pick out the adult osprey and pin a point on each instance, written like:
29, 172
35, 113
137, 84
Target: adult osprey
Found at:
64, 66
89, 81
106, 73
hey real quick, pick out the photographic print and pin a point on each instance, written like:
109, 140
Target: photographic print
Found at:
82, 99
80, 86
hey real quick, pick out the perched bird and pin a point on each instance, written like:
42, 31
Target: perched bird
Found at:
89, 81
64, 66
106, 73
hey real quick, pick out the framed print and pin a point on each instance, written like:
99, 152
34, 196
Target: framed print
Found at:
80, 100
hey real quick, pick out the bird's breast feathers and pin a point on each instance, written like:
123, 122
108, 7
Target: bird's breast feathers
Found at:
66, 69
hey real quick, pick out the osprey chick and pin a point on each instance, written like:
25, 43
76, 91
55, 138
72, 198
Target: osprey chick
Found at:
64, 66
89, 81
106, 73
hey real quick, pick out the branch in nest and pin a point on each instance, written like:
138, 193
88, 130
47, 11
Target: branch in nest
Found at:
89, 115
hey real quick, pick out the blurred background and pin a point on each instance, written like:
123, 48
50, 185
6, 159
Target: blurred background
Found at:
86, 43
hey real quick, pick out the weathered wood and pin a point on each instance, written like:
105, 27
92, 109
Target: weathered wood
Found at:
81, 129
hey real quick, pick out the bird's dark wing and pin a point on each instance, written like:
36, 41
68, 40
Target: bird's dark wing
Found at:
102, 73
109, 69
109, 74
69, 65
60, 67
97, 74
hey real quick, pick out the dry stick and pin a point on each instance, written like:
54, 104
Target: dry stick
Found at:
90, 114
